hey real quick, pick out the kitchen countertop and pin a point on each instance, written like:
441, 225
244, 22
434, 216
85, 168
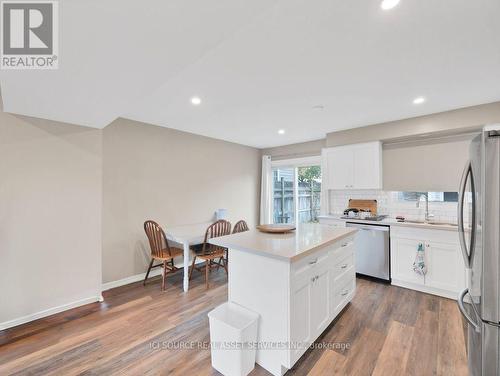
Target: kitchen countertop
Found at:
393, 222
290, 247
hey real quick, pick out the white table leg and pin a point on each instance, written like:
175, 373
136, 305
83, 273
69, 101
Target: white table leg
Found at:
186, 266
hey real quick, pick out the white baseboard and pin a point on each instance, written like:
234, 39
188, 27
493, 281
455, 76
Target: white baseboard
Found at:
140, 277
429, 290
131, 279
47, 312
78, 303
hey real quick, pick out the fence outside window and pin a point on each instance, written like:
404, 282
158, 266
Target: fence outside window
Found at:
308, 192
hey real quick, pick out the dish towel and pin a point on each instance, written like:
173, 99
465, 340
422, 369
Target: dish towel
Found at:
419, 263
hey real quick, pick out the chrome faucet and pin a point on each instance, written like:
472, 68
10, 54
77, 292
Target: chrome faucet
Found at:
426, 196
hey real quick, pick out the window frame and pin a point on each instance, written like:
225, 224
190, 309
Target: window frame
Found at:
444, 201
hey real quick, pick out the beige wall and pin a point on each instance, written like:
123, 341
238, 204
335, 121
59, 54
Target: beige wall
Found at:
50, 216
431, 165
450, 122
172, 177
303, 149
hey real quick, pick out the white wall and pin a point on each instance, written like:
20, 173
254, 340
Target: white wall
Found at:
50, 217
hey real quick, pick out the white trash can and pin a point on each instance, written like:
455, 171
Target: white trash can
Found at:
233, 336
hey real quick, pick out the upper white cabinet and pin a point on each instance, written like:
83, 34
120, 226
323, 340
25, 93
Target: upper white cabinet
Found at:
357, 166
340, 162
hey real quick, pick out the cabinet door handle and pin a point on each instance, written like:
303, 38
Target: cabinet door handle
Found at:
313, 261
345, 292
343, 266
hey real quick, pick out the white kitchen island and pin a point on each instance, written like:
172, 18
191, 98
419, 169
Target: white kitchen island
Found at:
297, 282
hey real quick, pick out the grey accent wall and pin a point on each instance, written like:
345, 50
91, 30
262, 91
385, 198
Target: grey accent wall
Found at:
173, 178
430, 165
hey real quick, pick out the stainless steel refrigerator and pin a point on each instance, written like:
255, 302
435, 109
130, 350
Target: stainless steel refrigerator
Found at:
479, 229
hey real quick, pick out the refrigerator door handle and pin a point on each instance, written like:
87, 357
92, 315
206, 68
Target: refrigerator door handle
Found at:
461, 229
461, 307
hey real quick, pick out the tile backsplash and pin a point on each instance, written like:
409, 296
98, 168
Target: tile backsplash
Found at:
389, 204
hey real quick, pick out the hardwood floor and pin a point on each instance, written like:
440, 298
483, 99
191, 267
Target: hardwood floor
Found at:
386, 330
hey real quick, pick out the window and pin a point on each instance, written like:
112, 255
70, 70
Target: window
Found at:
433, 196
296, 191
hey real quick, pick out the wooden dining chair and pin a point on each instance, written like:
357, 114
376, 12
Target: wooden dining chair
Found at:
160, 251
240, 226
210, 252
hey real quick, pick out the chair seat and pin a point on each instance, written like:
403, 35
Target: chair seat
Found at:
209, 248
174, 252
211, 256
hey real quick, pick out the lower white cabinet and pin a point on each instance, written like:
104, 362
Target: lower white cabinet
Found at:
445, 268
443, 257
321, 286
403, 253
343, 290
300, 315
320, 300
296, 301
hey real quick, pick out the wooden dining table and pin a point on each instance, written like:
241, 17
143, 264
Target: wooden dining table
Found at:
187, 235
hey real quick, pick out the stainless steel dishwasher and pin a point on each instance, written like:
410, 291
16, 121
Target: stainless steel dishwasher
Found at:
372, 244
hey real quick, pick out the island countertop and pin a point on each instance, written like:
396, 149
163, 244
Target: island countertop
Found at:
292, 246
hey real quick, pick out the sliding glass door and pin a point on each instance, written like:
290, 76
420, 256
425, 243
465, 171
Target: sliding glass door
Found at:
283, 195
296, 194
309, 193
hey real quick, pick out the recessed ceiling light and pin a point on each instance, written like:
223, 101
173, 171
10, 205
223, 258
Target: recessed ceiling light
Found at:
281, 131
195, 100
388, 4
419, 100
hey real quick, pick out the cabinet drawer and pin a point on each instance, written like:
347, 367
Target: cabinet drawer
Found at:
310, 263
342, 249
343, 288
343, 265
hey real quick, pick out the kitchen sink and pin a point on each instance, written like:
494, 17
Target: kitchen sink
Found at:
433, 223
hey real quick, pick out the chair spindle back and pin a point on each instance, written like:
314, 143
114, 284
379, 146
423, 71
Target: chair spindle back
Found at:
240, 226
219, 228
157, 239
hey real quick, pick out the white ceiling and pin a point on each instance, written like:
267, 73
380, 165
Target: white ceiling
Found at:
261, 65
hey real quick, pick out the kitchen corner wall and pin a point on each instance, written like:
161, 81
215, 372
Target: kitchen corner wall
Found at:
172, 177
50, 217
389, 204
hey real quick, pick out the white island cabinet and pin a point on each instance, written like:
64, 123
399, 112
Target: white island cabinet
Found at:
297, 282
